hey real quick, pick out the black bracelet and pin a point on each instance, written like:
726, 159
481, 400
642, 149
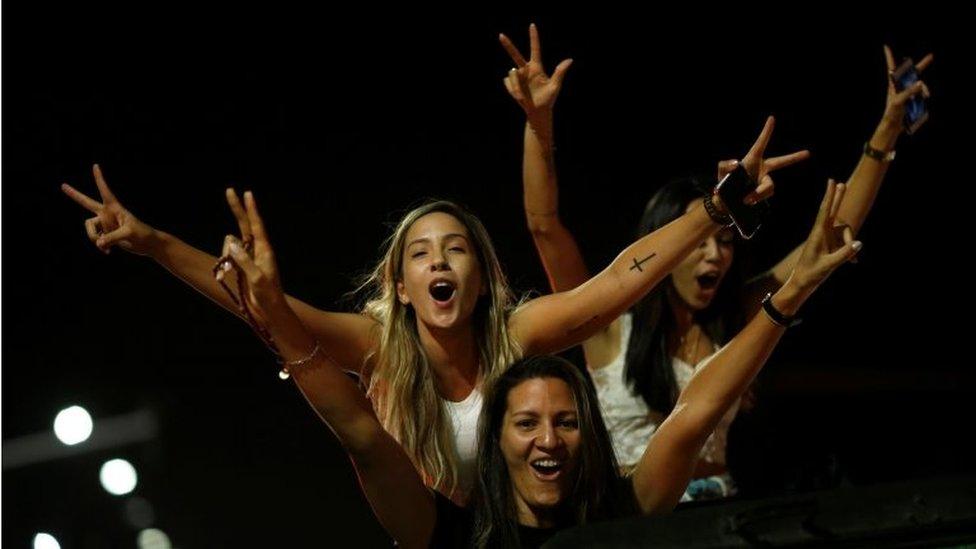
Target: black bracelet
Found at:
777, 317
724, 220
879, 155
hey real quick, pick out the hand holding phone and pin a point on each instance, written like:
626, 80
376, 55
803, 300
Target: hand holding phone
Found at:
750, 179
916, 111
733, 189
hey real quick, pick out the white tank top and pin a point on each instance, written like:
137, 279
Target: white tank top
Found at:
464, 421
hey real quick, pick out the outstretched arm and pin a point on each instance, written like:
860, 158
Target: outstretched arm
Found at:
401, 502
554, 322
348, 336
865, 181
536, 93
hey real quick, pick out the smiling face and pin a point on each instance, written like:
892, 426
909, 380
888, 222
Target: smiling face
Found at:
540, 441
441, 276
696, 279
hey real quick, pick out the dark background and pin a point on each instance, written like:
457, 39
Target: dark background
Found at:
339, 123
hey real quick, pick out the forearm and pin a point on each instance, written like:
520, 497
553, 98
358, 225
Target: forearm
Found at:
347, 337
645, 263
394, 489
865, 181
861, 190
863, 186
557, 249
668, 463
334, 396
540, 189
194, 267
721, 381
555, 322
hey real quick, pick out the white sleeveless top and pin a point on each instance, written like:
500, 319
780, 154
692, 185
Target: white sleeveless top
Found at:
464, 423
630, 422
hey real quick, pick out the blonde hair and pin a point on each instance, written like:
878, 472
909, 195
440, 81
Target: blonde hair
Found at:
401, 384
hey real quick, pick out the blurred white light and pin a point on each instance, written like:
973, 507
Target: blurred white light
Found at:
153, 538
73, 425
45, 541
118, 477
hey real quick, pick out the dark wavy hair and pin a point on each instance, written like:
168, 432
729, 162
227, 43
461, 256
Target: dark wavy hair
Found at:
648, 369
598, 492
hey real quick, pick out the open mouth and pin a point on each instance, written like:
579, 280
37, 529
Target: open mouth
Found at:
708, 281
442, 290
547, 467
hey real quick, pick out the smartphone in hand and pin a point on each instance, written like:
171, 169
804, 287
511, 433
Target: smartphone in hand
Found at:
916, 112
733, 189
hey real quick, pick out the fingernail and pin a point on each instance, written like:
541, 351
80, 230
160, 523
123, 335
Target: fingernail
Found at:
857, 245
750, 201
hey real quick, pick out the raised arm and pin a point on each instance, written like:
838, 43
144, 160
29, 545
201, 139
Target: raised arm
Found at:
401, 502
554, 322
536, 93
348, 336
669, 461
865, 181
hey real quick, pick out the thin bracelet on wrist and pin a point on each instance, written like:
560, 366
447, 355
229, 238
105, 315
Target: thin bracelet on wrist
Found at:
289, 366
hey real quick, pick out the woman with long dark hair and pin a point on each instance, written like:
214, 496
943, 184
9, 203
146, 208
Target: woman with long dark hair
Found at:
642, 361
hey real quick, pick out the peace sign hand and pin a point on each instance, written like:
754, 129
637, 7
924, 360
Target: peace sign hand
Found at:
113, 225
895, 101
528, 83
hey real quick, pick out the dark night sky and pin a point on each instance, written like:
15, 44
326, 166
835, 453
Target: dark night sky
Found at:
339, 124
